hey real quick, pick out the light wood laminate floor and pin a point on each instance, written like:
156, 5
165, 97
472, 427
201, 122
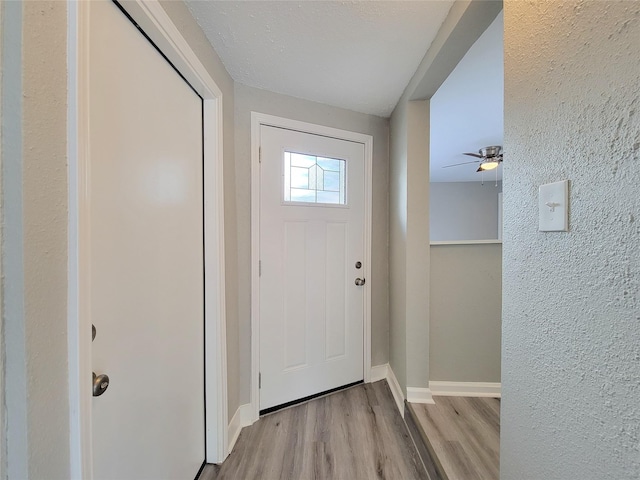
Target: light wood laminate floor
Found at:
463, 436
354, 434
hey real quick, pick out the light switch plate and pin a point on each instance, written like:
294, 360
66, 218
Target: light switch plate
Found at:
553, 204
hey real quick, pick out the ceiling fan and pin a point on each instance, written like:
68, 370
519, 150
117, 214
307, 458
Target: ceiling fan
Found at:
490, 158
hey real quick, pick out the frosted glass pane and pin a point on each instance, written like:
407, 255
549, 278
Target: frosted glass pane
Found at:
330, 164
299, 160
332, 181
299, 177
310, 179
319, 178
300, 195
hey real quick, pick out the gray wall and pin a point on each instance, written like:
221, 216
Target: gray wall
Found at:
409, 191
571, 329
3, 436
466, 305
464, 210
35, 238
409, 237
248, 99
397, 244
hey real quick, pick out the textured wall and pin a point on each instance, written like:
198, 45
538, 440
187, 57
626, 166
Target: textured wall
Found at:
465, 313
45, 236
571, 321
248, 99
463, 210
35, 239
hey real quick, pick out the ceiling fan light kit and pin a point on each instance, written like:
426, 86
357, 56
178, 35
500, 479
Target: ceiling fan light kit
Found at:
489, 158
489, 165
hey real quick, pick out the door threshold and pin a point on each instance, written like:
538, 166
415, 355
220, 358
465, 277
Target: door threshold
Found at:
293, 403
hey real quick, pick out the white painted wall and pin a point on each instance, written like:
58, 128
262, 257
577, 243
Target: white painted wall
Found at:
465, 313
571, 329
248, 99
464, 210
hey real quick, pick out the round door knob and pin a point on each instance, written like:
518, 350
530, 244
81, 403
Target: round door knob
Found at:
100, 384
360, 281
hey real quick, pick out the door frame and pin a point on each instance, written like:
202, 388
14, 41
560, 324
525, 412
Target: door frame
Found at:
258, 120
154, 21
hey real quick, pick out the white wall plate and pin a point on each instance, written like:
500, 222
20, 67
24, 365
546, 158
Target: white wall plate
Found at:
553, 204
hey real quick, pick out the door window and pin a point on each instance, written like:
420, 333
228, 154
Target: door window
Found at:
313, 179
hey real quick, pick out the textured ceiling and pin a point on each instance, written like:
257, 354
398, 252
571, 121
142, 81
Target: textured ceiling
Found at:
467, 110
358, 55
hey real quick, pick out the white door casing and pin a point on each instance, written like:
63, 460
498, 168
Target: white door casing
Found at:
146, 256
154, 21
300, 373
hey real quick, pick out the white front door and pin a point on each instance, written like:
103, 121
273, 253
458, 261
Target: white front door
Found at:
311, 253
145, 256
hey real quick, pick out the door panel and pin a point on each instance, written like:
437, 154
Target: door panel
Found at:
311, 311
145, 255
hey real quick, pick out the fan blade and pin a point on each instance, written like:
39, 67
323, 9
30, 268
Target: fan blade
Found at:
458, 164
473, 155
479, 170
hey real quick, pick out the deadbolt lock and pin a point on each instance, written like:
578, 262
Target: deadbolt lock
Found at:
358, 265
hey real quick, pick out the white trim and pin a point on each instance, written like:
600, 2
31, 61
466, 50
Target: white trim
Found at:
500, 214
465, 389
81, 458
396, 390
419, 395
258, 119
379, 372
157, 24
242, 418
465, 242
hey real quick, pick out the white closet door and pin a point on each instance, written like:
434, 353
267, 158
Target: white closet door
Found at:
146, 257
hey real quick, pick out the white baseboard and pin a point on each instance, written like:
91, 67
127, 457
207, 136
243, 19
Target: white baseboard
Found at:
419, 395
398, 396
379, 372
465, 389
242, 418
384, 372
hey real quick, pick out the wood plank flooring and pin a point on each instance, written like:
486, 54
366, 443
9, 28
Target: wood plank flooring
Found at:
463, 436
354, 434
